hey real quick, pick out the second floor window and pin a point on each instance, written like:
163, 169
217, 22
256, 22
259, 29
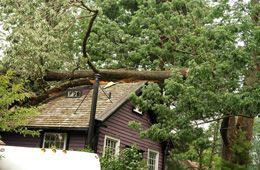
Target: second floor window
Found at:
55, 140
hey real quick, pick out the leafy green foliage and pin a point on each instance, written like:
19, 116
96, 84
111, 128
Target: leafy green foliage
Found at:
13, 117
229, 166
196, 150
203, 36
217, 83
255, 152
174, 165
241, 148
129, 159
40, 36
87, 149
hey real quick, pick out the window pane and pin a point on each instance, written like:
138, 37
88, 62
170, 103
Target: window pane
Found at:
55, 140
152, 160
110, 147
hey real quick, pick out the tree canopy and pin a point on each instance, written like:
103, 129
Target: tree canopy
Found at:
218, 43
13, 117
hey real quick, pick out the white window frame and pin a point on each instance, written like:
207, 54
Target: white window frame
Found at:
64, 143
117, 149
156, 160
137, 110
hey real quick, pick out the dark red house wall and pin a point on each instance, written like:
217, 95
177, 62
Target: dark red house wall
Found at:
76, 140
117, 127
13, 139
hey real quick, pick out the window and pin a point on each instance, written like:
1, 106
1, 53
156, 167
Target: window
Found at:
55, 140
140, 151
111, 146
152, 160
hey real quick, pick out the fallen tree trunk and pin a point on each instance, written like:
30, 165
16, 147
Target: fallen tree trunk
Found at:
73, 83
53, 92
111, 75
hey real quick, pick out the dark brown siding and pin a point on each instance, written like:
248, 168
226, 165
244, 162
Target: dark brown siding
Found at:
117, 127
13, 139
76, 140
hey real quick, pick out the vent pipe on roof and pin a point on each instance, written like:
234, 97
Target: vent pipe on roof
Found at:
91, 129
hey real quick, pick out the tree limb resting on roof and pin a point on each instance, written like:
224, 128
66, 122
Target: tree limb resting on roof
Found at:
112, 75
52, 92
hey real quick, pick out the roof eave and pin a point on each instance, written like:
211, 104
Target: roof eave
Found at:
57, 128
117, 105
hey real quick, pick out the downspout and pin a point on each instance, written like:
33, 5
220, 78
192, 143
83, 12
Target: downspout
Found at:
91, 129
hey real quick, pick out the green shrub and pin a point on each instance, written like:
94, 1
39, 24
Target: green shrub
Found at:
128, 159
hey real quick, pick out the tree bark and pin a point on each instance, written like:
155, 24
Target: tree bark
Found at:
230, 127
242, 123
87, 35
111, 75
227, 132
53, 92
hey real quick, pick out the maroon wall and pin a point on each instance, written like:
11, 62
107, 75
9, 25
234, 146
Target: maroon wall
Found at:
117, 126
13, 139
76, 140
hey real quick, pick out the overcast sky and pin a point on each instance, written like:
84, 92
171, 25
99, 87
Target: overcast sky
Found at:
2, 42
1, 51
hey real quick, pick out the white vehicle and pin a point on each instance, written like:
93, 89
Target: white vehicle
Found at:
22, 158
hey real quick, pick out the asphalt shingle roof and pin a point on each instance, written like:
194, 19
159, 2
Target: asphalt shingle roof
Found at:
64, 112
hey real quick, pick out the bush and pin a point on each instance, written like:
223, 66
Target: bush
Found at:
129, 159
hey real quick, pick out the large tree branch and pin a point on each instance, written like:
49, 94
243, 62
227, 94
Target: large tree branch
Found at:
112, 75
87, 34
53, 92
224, 117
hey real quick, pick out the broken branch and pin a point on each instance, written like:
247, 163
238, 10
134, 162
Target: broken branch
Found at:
87, 34
111, 75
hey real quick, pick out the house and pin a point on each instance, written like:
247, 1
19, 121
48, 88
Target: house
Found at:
64, 123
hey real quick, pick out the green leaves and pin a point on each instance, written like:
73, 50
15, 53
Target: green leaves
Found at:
38, 35
199, 35
204, 38
129, 159
151, 95
255, 151
12, 93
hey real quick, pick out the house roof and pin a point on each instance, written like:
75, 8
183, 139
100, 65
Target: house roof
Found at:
64, 112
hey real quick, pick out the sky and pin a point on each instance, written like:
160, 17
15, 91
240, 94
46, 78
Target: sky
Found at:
1, 41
